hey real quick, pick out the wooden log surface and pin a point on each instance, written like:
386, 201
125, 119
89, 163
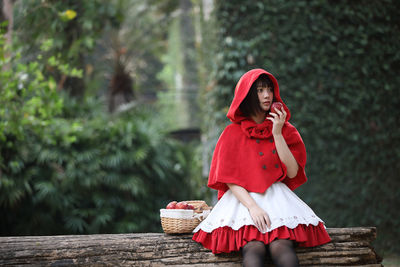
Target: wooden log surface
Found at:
349, 247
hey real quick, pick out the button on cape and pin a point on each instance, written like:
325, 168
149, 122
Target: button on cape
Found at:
244, 154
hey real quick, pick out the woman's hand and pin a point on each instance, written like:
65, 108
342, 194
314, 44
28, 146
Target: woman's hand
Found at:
278, 120
260, 218
285, 155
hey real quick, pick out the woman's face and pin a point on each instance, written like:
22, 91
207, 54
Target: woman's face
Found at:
265, 97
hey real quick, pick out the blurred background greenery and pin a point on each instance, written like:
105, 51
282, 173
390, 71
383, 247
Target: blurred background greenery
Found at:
111, 109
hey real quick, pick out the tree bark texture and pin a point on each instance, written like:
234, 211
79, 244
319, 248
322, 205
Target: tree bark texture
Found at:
349, 247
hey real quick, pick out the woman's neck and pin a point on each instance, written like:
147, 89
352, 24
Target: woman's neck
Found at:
259, 117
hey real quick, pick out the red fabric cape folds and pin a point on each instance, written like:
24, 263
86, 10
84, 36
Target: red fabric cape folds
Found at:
235, 159
226, 240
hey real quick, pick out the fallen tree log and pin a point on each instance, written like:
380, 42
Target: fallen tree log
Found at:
349, 247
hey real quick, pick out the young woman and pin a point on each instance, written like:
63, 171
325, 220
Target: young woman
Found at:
258, 160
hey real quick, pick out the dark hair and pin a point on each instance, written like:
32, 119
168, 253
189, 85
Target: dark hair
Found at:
251, 105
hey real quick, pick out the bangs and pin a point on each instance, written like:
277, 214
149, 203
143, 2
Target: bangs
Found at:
264, 81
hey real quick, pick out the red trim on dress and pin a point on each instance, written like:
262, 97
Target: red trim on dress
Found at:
225, 239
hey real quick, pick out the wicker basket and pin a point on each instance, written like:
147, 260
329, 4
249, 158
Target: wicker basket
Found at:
179, 221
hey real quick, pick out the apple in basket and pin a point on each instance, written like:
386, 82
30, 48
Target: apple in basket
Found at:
181, 205
171, 205
276, 106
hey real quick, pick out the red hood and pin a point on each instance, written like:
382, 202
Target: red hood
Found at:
243, 87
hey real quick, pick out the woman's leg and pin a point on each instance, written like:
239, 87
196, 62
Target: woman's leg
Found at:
254, 254
283, 254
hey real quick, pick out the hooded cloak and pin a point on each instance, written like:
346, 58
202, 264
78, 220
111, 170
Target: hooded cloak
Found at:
245, 153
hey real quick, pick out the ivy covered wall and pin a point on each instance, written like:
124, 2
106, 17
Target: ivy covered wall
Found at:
337, 63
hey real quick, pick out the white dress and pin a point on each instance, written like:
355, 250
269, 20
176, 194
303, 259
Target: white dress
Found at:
287, 212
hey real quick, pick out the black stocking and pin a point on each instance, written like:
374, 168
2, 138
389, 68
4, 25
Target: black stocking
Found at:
283, 254
254, 254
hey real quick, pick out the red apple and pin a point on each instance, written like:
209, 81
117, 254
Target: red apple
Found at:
181, 205
190, 207
171, 205
276, 106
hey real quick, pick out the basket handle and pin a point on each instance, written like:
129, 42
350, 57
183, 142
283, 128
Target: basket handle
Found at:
202, 216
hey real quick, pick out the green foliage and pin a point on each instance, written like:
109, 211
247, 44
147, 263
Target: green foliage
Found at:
98, 174
337, 66
69, 167
74, 25
73, 28
28, 104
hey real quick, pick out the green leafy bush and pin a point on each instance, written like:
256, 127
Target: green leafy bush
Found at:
102, 174
337, 64
69, 167
74, 27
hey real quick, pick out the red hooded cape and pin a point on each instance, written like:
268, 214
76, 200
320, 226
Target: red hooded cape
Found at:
245, 153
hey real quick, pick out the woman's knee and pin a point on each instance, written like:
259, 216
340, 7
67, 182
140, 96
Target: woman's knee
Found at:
254, 254
255, 246
283, 253
279, 244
